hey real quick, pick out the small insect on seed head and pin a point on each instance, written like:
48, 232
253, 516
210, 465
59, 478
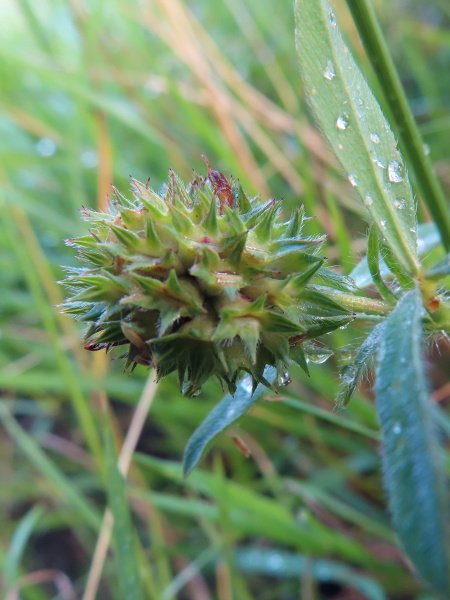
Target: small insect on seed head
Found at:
221, 186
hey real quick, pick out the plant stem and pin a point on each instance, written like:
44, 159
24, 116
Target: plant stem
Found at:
412, 145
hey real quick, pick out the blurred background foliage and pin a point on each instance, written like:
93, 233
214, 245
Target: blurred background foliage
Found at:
93, 91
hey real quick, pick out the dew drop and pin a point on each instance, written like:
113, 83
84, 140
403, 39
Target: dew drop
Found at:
413, 229
275, 562
368, 200
332, 18
89, 159
397, 429
45, 147
191, 389
399, 203
375, 138
340, 147
383, 224
380, 164
318, 356
395, 172
329, 72
342, 122
284, 378
347, 373
426, 149
352, 179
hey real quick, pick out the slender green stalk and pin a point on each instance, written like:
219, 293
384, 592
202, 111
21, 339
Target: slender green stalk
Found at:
412, 145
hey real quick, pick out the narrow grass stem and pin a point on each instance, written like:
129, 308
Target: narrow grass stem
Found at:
124, 460
411, 141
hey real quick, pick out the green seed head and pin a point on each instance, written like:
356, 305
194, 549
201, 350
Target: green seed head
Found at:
201, 280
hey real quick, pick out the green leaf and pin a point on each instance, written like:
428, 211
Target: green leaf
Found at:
261, 515
352, 373
127, 564
373, 261
440, 270
356, 129
282, 564
428, 239
413, 473
18, 543
430, 190
229, 409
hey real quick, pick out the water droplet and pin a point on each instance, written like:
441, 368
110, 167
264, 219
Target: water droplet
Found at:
340, 147
368, 200
342, 122
329, 72
395, 172
397, 429
375, 138
190, 389
380, 164
344, 49
284, 378
89, 159
426, 149
45, 147
332, 18
352, 179
275, 562
347, 373
399, 203
413, 229
318, 356
383, 223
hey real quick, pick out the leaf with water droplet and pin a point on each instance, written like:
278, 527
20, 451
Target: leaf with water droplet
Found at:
342, 122
229, 410
396, 172
329, 72
414, 473
360, 136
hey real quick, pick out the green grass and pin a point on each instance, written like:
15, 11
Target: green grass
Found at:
92, 92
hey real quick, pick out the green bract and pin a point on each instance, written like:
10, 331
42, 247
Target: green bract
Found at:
203, 281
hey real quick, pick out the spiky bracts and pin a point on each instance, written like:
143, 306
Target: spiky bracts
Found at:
203, 281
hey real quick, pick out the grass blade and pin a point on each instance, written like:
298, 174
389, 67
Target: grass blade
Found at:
281, 564
123, 530
19, 540
356, 129
413, 473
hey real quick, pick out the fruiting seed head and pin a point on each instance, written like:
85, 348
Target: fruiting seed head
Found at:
201, 280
